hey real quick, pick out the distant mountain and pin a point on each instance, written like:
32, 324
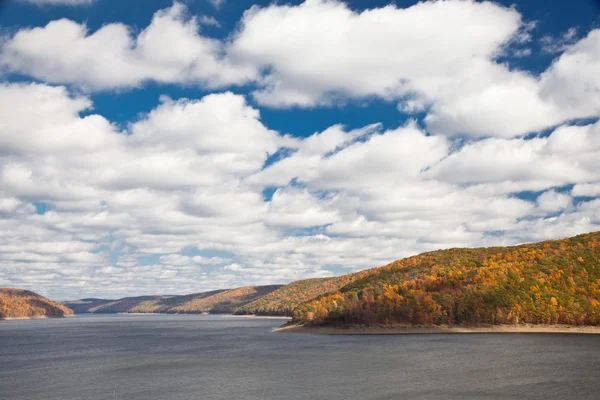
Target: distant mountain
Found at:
283, 300
216, 301
102, 306
552, 282
226, 301
166, 303
17, 303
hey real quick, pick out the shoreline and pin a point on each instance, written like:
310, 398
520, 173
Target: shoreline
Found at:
35, 317
254, 316
441, 329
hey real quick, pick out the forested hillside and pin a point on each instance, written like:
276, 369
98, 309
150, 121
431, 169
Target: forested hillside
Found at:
283, 300
165, 303
226, 301
552, 282
102, 306
17, 303
216, 301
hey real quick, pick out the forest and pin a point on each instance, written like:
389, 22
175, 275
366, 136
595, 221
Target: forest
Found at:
215, 301
552, 282
226, 301
282, 301
17, 303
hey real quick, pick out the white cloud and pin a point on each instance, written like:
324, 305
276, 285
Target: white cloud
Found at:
569, 155
169, 50
298, 208
586, 189
321, 49
573, 82
211, 21
126, 208
489, 100
321, 52
522, 52
217, 3
561, 43
438, 57
177, 201
552, 201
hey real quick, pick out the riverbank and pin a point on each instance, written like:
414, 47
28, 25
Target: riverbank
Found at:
435, 329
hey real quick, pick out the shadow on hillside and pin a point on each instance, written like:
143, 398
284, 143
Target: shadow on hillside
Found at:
49, 310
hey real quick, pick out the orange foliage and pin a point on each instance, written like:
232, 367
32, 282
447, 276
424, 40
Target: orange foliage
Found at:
17, 303
545, 283
283, 300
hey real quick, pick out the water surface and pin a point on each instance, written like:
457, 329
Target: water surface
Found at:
184, 357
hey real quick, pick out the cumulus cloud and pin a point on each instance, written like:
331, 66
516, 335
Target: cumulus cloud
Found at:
441, 58
320, 52
321, 49
200, 194
169, 50
586, 189
568, 155
551, 201
572, 81
174, 202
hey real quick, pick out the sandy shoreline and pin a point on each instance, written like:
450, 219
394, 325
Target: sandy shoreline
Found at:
412, 330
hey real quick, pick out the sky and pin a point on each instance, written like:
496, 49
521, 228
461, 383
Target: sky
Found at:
160, 147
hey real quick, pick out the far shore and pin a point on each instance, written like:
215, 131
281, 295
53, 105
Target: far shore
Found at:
34, 317
20, 318
437, 329
222, 315
254, 316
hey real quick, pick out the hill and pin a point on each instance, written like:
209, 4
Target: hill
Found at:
282, 301
216, 301
17, 303
226, 301
102, 306
166, 303
552, 282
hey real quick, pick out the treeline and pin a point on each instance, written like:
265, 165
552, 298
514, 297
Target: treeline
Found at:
17, 303
553, 282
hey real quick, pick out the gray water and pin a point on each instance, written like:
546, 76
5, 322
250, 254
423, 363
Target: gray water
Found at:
182, 357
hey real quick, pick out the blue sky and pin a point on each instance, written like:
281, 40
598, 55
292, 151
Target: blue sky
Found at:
174, 147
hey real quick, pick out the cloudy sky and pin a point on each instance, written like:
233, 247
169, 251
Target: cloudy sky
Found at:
158, 147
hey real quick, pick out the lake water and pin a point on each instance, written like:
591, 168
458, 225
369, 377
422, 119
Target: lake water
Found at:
184, 357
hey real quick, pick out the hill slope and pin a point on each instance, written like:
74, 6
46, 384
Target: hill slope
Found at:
17, 303
166, 303
84, 305
226, 301
102, 306
552, 282
216, 301
283, 300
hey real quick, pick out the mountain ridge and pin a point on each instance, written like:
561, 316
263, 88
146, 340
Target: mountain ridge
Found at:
214, 301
